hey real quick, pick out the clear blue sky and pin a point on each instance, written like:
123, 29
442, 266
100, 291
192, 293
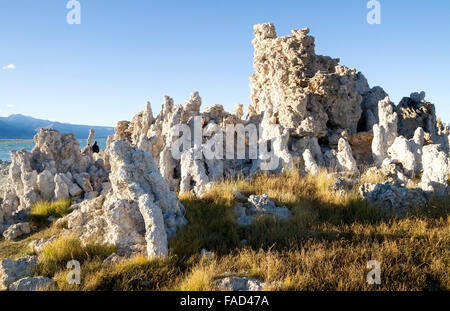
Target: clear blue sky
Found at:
127, 52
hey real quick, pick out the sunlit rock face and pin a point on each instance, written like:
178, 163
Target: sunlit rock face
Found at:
307, 93
138, 214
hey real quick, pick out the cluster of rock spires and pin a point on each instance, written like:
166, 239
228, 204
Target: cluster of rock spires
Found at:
312, 112
119, 197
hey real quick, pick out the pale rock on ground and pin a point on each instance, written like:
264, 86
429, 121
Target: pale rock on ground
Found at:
298, 98
15, 231
394, 199
29, 284
408, 152
12, 270
311, 166
234, 283
343, 185
414, 112
257, 206
111, 260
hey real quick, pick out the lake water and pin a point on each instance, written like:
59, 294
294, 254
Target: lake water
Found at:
7, 146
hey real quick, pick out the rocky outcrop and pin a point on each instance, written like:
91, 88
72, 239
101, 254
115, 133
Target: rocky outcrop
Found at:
55, 169
414, 112
300, 101
309, 112
54, 161
37, 246
307, 93
259, 206
138, 214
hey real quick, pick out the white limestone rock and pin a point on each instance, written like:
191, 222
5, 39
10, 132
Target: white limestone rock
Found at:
436, 169
193, 171
138, 214
394, 199
15, 231
30, 284
61, 188
12, 270
408, 152
303, 89
311, 166
345, 159
234, 283
385, 131
259, 206
53, 168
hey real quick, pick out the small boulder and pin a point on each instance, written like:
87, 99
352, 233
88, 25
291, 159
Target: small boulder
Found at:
394, 199
29, 284
17, 230
261, 204
12, 270
234, 283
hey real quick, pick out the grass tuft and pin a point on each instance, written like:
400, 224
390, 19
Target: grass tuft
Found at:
55, 256
41, 211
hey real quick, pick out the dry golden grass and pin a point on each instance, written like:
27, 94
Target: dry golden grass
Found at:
325, 245
55, 256
19, 248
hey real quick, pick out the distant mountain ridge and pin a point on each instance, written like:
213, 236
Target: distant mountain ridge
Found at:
18, 126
